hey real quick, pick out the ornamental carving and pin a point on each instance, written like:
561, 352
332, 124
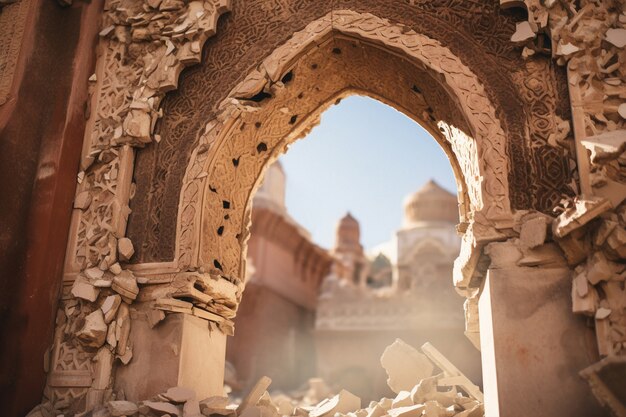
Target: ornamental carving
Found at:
235, 148
143, 48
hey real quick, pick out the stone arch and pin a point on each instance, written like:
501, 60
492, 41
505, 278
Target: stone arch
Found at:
211, 238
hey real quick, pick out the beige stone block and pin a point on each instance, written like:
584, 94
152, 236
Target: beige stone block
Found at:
188, 354
405, 366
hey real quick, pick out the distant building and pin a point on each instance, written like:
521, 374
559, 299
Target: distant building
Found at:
307, 311
275, 322
404, 289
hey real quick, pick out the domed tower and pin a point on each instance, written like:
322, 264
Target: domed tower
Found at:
430, 204
271, 193
348, 235
348, 250
427, 242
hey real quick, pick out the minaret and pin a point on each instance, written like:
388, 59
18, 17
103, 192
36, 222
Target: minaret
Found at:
351, 261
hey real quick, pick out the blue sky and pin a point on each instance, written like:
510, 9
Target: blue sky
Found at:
364, 157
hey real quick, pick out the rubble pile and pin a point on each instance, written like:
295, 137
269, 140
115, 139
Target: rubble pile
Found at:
419, 393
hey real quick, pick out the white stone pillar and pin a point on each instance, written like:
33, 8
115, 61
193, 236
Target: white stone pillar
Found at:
533, 346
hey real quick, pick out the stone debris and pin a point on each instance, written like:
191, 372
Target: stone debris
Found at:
125, 285
405, 366
180, 395
122, 408
342, 403
84, 289
110, 306
428, 397
125, 249
94, 331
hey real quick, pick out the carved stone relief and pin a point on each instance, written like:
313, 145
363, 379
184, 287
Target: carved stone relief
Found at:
589, 39
143, 48
230, 164
477, 32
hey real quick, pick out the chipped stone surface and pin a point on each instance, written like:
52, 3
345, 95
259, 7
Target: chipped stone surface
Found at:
94, 331
404, 366
82, 288
122, 408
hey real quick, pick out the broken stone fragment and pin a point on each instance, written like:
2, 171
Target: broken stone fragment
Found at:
599, 268
405, 366
82, 200
162, 407
410, 411
255, 394
125, 248
583, 304
403, 399
109, 307
93, 273
155, 316
606, 146
523, 32
94, 331
122, 329
122, 408
617, 242
602, 313
82, 288
126, 357
617, 37
343, 402
423, 389
191, 409
116, 268
125, 285
179, 394
452, 376
581, 213
533, 232
376, 411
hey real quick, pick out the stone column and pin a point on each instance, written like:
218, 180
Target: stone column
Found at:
182, 350
532, 345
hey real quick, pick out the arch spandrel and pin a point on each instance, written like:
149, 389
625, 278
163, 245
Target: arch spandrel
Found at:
237, 154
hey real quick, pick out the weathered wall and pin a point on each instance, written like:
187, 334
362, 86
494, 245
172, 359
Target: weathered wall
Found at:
270, 334
275, 321
42, 118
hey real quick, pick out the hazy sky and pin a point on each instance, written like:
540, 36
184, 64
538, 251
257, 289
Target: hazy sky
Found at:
364, 157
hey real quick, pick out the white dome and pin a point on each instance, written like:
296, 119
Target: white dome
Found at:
430, 204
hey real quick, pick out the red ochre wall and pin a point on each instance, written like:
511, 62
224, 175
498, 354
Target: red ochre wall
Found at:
41, 132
